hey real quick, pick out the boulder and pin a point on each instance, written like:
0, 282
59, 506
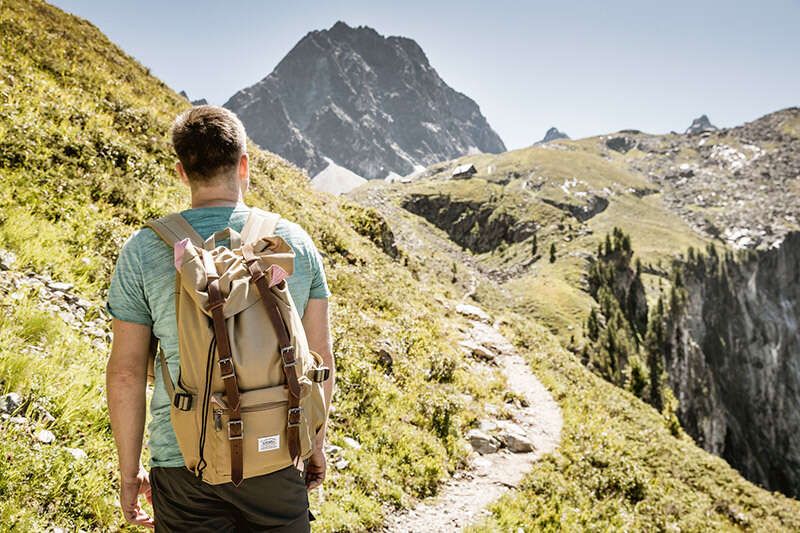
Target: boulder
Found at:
478, 351
517, 443
10, 403
76, 453
45, 436
351, 443
481, 442
621, 143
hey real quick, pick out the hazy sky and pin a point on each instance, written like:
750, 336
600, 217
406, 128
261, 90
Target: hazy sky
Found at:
587, 67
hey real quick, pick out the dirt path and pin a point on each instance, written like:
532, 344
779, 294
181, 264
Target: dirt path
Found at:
463, 499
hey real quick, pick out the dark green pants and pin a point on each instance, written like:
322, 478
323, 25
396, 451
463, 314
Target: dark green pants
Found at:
274, 502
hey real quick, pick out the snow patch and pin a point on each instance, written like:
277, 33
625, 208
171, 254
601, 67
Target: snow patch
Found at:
336, 179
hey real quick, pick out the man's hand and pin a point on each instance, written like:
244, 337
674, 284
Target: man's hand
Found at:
129, 492
315, 470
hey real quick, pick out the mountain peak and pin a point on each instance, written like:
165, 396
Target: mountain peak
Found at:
373, 104
700, 124
553, 134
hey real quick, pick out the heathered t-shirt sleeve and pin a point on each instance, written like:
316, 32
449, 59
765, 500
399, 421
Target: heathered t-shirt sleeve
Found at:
319, 283
126, 296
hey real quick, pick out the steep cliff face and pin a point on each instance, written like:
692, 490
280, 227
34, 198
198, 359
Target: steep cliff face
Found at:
733, 361
372, 104
477, 226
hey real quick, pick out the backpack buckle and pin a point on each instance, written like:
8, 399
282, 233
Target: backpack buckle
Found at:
290, 361
235, 430
226, 368
293, 418
320, 374
182, 401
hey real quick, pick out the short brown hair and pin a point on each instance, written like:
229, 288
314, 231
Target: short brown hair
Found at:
209, 141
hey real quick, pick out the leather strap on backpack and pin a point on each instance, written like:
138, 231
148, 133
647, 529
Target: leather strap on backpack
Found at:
227, 371
171, 229
286, 348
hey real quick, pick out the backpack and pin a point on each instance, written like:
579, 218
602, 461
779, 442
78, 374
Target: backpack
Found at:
249, 397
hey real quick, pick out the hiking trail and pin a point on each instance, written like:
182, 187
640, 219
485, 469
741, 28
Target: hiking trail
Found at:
463, 500
536, 423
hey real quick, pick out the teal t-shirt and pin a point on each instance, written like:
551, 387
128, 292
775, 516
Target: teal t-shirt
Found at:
143, 291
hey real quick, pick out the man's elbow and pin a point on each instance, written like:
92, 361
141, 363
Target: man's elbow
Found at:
118, 374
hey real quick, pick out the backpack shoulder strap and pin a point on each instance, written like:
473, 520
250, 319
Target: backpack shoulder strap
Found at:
259, 224
173, 228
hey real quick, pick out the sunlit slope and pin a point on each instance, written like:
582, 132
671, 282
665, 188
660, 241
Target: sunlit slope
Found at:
569, 196
85, 160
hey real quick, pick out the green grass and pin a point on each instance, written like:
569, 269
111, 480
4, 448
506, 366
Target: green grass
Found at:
85, 160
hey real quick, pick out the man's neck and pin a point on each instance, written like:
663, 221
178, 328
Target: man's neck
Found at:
208, 197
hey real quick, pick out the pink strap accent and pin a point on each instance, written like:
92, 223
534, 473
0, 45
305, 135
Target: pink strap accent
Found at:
276, 275
178, 249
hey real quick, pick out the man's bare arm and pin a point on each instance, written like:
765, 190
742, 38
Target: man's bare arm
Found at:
126, 385
317, 327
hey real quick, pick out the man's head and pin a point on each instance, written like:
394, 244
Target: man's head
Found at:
211, 145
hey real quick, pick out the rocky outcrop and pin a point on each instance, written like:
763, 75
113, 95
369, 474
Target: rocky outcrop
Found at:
582, 208
621, 143
477, 226
372, 104
733, 361
739, 185
699, 125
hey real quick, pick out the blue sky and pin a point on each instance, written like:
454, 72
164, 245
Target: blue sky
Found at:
587, 67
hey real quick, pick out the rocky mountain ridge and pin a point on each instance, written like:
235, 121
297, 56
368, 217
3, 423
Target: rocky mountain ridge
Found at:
370, 103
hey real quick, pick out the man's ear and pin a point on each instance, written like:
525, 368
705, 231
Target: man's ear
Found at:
244, 172
182, 173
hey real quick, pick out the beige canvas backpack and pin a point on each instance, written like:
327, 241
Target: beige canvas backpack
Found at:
249, 397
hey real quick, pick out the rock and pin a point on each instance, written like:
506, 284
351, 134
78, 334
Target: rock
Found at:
45, 436
7, 260
341, 464
76, 453
384, 355
516, 443
478, 351
331, 450
514, 437
18, 420
351, 443
60, 286
10, 403
83, 304
474, 312
481, 442
621, 143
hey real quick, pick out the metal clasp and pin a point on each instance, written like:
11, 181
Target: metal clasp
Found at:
235, 434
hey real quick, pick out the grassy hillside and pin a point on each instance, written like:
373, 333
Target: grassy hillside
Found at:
84, 161
621, 465
538, 186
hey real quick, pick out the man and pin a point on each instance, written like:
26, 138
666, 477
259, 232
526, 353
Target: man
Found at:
211, 146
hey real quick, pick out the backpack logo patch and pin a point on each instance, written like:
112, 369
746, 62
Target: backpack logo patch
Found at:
266, 444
